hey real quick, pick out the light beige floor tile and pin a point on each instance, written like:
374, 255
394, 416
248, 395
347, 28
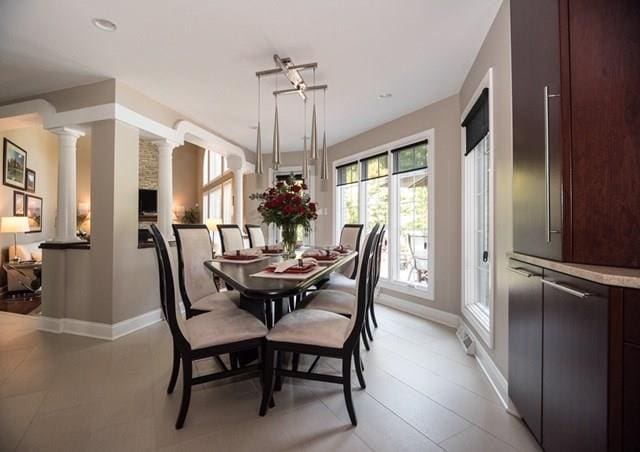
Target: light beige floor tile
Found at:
475, 440
16, 414
131, 436
29, 377
488, 416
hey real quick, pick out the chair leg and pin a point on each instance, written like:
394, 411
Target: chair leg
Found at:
372, 310
358, 364
364, 340
367, 326
346, 378
175, 369
267, 378
295, 362
186, 392
233, 360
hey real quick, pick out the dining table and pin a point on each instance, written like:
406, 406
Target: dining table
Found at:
269, 298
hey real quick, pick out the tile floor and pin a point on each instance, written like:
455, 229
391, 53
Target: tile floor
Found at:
70, 393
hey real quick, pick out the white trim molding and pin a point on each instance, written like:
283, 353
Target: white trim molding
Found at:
420, 310
96, 329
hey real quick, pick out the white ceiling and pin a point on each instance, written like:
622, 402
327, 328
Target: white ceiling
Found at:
199, 57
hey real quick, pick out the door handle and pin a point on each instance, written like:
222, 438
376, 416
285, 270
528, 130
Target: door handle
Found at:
520, 271
567, 289
547, 172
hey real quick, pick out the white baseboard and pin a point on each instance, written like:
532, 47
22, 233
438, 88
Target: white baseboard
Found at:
436, 315
497, 381
99, 330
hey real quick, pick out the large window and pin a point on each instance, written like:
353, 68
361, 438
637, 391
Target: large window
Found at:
227, 202
213, 166
391, 187
477, 221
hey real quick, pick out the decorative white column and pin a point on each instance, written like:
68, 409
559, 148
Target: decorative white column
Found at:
236, 165
66, 219
165, 186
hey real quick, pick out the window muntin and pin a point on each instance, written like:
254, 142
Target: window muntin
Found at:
410, 158
376, 166
347, 174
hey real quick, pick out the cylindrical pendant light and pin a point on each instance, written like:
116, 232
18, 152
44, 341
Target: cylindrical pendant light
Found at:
259, 165
314, 130
305, 156
276, 139
324, 161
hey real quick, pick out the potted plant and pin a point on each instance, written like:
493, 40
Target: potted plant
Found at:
288, 206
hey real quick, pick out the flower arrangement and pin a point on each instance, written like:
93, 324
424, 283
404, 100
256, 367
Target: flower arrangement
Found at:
288, 206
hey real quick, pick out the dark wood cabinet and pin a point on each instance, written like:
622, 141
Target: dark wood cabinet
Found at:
576, 123
525, 343
631, 404
575, 364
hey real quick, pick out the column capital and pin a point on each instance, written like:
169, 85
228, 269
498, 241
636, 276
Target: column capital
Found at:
166, 145
234, 162
67, 131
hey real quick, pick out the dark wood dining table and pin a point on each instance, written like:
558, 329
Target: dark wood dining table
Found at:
270, 298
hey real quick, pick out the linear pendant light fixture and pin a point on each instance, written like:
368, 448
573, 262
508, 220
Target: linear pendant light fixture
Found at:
324, 160
259, 166
284, 66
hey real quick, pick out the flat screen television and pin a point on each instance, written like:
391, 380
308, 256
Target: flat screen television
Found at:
147, 202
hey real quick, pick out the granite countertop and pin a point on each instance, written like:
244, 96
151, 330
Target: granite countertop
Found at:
610, 276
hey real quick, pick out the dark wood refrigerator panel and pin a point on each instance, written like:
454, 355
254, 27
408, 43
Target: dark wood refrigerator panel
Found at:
575, 364
537, 155
525, 343
605, 124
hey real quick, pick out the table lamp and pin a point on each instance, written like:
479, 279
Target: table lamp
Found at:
15, 225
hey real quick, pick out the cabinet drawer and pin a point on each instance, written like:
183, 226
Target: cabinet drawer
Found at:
632, 316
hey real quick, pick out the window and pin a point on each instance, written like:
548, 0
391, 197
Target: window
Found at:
213, 166
227, 201
477, 221
392, 187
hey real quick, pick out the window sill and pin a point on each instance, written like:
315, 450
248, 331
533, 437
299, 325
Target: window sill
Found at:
408, 289
480, 321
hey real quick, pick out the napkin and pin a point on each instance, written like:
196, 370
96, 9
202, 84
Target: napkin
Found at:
320, 254
342, 248
285, 265
272, 249
249, 252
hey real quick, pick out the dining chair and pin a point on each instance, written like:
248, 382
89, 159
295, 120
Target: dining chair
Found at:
350, 236
419, 256
203, 336
197, 288
322, 333
378, 267
230, 237
256, 236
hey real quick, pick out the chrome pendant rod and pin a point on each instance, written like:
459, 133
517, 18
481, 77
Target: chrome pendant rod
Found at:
313, 153
259, 165
324, 162
305, 156
276, 135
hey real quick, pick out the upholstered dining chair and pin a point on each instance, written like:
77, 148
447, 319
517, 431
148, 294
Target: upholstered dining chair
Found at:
256, 236
197, 288
351, 236
322, 333
206, 335
230, 237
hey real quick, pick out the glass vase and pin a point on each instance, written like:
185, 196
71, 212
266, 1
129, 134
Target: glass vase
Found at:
289, 240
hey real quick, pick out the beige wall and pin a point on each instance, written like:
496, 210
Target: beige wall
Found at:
496, 52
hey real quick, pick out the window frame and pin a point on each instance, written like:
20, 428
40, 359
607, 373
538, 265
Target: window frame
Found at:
428, 292
482, 324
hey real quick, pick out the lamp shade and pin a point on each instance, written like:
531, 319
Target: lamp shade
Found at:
212, 223
14, 224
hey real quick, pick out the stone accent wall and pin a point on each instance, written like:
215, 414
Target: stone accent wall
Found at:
148, 165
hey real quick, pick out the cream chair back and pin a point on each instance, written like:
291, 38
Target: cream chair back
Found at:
231, 237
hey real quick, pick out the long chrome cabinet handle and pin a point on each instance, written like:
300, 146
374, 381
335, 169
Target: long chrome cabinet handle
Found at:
547, 172
567, 289
521, 272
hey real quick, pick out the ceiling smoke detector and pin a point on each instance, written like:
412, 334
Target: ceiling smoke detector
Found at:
104, 24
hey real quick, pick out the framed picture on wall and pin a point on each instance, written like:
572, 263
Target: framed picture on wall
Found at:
19, 204
14, 173
31, 180
34, 213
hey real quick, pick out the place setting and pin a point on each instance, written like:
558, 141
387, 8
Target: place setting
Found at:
298, 269
246, 256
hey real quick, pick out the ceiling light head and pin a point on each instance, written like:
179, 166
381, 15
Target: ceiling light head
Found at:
104, 24
384, 95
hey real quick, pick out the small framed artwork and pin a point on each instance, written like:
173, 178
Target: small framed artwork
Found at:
31, 180
19, 204
34, 213
14, 173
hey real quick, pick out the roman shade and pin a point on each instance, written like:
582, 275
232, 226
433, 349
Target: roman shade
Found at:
347, 174
476, 123
410, 158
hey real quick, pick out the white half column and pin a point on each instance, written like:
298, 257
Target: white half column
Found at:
236, 165
165, 186
66, 218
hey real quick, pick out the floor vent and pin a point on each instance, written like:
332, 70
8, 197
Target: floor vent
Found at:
466, 341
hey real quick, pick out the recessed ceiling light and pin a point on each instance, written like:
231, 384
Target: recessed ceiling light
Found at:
253, 127
104, 24
384, 95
